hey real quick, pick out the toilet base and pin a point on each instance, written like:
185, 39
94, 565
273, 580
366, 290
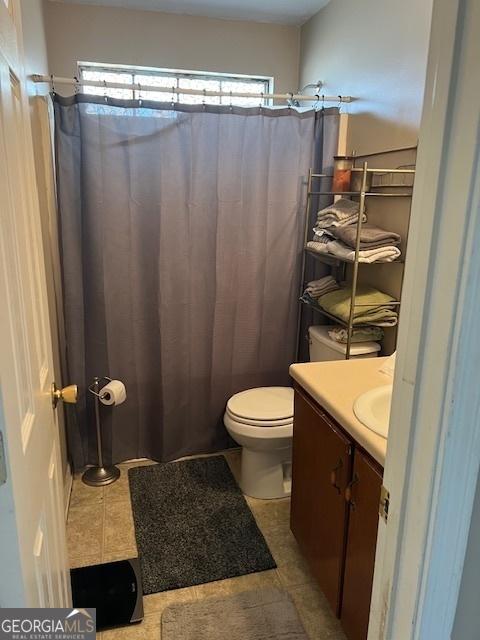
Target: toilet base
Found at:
266, 474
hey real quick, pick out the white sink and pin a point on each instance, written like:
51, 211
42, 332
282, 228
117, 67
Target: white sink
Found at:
373, 409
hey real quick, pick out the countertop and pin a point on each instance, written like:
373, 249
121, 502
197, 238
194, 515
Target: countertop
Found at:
335, 386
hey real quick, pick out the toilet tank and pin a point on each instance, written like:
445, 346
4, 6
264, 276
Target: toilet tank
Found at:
323, 348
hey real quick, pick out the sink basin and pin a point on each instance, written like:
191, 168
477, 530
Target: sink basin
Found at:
373, 409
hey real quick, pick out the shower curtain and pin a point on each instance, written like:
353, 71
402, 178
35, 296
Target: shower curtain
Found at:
181, 237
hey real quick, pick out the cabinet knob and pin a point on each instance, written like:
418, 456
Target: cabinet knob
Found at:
333, 476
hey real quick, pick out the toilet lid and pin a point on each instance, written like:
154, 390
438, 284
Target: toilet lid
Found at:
264, 403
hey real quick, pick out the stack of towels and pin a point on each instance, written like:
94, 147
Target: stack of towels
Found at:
339, 214
371, 306
317, 288
336, 234
362, 334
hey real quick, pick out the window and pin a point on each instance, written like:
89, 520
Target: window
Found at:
165, 79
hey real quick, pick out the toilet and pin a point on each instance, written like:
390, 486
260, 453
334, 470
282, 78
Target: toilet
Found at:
261, 421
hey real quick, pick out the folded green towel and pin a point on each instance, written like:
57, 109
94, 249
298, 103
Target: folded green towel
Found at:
371, 306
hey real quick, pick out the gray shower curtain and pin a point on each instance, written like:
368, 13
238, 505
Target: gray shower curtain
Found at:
181, 233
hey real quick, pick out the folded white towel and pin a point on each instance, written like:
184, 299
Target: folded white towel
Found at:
319, 247
380, 254
339, 214
361, 334
343, 207
322, 235
321, 282
318, 288
329, 220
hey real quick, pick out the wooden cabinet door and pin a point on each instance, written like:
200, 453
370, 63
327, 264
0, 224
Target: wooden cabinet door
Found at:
361, 544
320, 473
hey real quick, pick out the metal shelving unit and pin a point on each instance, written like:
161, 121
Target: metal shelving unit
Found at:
337, 262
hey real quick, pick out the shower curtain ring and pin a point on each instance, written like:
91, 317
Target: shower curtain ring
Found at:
204, 98
173, 96
262, 100
105, 97
52, 82
317, 100
231, 105
339, 104
76, 85
139, 94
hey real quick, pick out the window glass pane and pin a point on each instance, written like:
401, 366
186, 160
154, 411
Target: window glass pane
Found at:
200, 85
165, 81
153, 80
243, 87
108, 76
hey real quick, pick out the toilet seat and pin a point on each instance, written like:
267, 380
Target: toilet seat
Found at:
262, 407
257, 434
258, 423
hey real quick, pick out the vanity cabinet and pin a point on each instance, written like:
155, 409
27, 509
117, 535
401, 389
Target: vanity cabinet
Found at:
322, 461
363, 497
334, 511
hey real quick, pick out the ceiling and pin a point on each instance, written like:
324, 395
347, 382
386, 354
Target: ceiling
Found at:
293, 12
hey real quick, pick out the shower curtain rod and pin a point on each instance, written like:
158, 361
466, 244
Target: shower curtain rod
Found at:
53, 80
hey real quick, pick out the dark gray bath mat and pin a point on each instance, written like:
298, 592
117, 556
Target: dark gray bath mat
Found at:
193, 525
266, 614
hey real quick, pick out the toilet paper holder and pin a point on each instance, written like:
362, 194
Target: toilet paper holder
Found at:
94, 387
100, 475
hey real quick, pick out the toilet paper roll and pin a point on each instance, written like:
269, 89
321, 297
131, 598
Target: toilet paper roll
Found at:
113, 393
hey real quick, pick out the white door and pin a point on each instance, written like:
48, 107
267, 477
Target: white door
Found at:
433, 455
33, 558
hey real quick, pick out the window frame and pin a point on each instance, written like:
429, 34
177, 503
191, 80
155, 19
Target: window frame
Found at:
177, 75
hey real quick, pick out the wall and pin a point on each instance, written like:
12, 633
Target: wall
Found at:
35, 55
375, 50
154, 39
33, 29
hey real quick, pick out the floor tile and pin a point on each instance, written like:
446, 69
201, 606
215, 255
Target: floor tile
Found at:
318, 619
157, 602
234, 459
130, 464
119, 531
295, 573
222, 588
270, 513
85, 531
292, 568
85, 560
100, 528
149, 629
123, 553
82, 494
119, 490
282, 544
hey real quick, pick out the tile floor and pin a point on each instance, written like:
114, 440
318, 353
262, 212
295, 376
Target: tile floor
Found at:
100, 529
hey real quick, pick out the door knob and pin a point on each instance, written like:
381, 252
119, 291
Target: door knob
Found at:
67, 394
